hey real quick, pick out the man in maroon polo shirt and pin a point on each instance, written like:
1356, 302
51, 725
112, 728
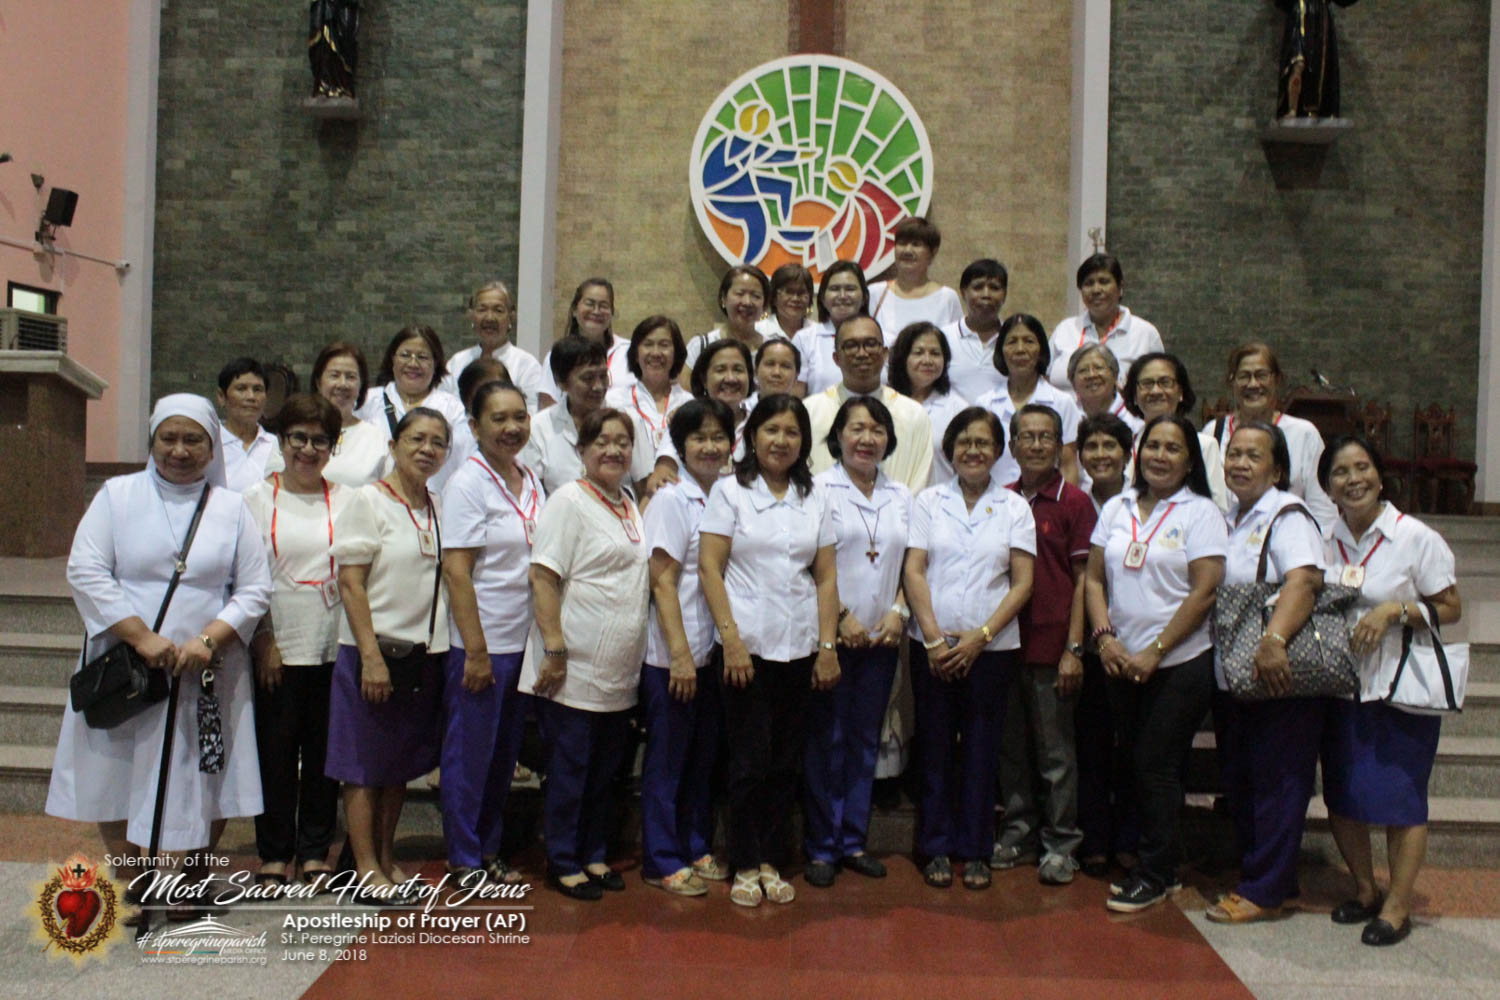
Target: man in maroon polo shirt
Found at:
1038, 758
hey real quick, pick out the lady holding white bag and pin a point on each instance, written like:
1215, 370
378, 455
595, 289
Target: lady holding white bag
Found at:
1377, 758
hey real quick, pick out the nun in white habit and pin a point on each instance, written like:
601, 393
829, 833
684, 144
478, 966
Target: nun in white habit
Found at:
121, 562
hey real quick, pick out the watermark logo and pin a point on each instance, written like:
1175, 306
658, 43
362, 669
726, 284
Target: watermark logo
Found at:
208, 941
809, 159
76, 908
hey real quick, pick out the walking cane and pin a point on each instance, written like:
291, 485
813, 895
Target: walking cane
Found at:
161, 795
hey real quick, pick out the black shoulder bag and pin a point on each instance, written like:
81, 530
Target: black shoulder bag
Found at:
118, 684
406, 660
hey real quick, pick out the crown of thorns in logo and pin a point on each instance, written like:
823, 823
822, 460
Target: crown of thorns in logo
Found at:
77, 906
809, 159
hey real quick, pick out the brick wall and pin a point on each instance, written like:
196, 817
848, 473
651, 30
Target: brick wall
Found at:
1370, 273
276, 234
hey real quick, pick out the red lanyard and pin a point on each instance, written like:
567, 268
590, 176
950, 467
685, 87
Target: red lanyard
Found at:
1378, 542
409, 513
1229, 428
524, 515
275, 491
1119, 410
622, 511
1153, 530
1104, 337
635, 401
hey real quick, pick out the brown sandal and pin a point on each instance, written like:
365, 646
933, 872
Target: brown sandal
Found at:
1236, 909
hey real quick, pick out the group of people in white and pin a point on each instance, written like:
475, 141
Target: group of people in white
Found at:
811, 544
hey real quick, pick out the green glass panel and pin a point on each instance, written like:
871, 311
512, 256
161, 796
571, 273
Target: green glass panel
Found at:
802, 115
828, 92
848, 125
823, 133
900, 185
801, 79
725, 116
899, 149
745, 95
864, 151
885, 117
916, 171
712, 137
774, 89
858, 89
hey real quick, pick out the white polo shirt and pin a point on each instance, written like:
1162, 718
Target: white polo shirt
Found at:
941, 409
818, 370
1404, 560
605, 595
525, 370
1006, 469
246, 466
445, 403
972, 370
552, 452
1131, 337
769, 326
481, 513
702, 341
910, 463
650, 423
1184, 527
616, 365
672, 522
769, 572
894, 314
1304, 445
877, 523
1295, 543
968, 555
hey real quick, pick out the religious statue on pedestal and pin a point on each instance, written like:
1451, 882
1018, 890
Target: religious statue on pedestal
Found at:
1309, 60
332, 47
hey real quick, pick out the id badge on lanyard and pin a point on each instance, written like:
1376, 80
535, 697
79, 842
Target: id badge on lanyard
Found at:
427, 543
330, 592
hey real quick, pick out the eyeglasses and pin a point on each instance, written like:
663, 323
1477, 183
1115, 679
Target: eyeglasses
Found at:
592, 305
319, 442
1264, 376
862, 346
414, 358
1166, 382
491, 310
1044, 437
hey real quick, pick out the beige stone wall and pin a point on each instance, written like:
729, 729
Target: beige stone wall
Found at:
991, 82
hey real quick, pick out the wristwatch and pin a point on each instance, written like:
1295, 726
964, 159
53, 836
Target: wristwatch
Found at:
208, 641
826, 645
1076, 648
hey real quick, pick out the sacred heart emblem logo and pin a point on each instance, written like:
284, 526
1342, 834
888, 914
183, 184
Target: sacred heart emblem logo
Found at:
77, 907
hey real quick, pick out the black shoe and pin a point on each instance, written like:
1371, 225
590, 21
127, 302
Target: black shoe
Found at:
1136, 894
608, 880
1096, 867
820, 874
1380, 932
588, 890
863, 864
938, 872
1352, 911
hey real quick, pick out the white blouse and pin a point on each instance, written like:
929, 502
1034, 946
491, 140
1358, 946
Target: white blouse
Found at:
769, 573
650, 423
383, 533
672, 522
818, 370
968, 555
605, 595
297, 531
525, 371
1006, 469
481, 513
940, 308
1403, 560
863, 525
616, 365
941, 409
362, 455
552, 452
246, 466
445, 403
972, 370
1184, 527
1130, 338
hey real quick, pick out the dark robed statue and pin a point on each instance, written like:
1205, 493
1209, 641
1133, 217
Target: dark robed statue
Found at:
331, 46
1309, 60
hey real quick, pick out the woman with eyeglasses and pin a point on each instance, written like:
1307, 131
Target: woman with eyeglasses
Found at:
790, 303
842, 293
1157, 385
591, 316
411, 371
295, 645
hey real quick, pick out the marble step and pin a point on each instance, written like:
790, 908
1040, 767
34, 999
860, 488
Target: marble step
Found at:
50, 613
31, 716
44, 659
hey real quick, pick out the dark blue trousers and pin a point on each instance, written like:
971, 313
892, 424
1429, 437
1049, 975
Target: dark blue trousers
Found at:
583, 751
682, 740
958, 736
843, 740
1267, 765
481, 739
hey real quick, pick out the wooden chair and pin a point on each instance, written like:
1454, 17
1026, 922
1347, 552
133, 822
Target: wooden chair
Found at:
1375, 424
1435, 461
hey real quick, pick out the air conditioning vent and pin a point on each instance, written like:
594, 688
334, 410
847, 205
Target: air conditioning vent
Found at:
22, 330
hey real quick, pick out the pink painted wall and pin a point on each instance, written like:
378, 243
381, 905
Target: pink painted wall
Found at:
63, 66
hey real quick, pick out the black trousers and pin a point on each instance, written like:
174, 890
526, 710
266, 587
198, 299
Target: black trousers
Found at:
291, 730
1159, 718
765, 724
1106, 802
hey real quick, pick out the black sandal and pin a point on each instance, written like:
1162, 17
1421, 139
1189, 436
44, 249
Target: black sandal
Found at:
977, 875
939, 872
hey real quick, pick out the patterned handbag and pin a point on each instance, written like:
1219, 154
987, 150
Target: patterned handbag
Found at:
1321, 661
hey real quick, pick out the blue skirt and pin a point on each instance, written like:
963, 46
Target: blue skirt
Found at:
1376, 762
386, 744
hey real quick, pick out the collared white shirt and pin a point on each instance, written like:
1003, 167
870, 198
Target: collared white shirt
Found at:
1295, 543
459, 436
1130, 338
481, 513
877, 523
616, 365
672, 525
968, 555
244, 466
941, 409
1412, 561
910, 463
1007, 469
605, 594
552, 452
380, 532
1184, 527
769, 574
525, 370
769, 326
818, 370
894, 314
1304, 445
972, 370
703, 341
650, 423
